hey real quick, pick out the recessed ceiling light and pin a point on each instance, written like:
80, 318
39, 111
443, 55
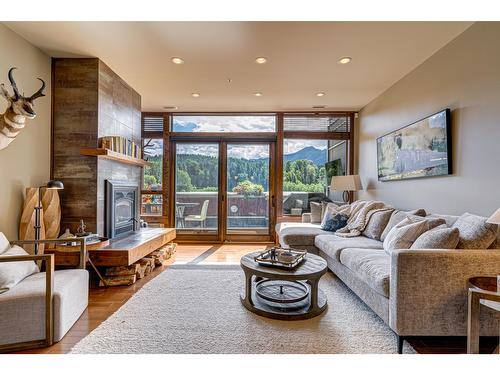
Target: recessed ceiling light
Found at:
177, 60
257, 94
261, 60
345, 60
320, 94
170, 107
195, 95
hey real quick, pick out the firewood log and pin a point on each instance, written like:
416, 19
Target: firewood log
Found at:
119, 280
122, 270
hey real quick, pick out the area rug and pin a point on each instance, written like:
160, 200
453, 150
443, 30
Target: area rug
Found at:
197, 309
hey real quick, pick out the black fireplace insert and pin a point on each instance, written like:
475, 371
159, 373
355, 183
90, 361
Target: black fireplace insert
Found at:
120, 207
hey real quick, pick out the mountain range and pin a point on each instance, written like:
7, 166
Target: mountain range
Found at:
311, 153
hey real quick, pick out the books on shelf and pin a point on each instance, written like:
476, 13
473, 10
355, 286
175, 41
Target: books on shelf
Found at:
121, 145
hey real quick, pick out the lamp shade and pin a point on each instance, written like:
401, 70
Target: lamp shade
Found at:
495, 218
346, 183
55, 184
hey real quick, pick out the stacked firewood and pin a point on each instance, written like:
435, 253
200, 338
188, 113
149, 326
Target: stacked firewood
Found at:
128, 275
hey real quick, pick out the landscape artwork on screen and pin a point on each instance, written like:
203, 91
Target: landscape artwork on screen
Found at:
422, 149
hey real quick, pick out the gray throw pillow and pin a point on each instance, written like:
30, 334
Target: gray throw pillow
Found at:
377, 223
441, 237
316, 210
403, 234
398, 216
475, 232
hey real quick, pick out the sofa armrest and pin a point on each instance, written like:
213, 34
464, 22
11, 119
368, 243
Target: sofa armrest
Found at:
428, 290
306, 217
49, 295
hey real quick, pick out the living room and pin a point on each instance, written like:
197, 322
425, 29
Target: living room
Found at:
250, 187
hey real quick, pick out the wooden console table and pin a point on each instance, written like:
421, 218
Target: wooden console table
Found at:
126, 250
120, 251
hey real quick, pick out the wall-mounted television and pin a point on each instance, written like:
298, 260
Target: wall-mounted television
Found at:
421, 149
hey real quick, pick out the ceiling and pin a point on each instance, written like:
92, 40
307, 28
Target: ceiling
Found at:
302, 59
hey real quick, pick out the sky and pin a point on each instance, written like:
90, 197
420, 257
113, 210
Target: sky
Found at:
224, 123
264, 123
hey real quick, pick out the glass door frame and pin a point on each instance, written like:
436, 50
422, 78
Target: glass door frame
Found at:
194, 237
221, 235
233, 237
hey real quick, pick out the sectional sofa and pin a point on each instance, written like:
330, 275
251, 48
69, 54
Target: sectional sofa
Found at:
415, 292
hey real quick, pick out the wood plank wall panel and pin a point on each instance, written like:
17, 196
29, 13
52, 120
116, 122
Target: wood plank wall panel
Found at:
90, 101
119, 115
74, 102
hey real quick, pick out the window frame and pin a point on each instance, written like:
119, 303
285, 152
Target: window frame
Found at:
278, 136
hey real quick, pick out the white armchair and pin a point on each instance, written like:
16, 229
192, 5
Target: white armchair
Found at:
40, 309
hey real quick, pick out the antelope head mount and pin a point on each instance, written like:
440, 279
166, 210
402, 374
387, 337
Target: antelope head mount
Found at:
19, 109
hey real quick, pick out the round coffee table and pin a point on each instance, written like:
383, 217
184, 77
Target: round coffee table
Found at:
284, 294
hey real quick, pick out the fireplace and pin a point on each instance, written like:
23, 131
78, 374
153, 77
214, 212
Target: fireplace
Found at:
120, 207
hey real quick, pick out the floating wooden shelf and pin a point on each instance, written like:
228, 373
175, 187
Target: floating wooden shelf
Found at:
113, 155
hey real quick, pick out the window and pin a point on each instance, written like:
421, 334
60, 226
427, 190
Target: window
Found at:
321, 123
151, 204
153, 174
152, 181
308, 166
223, 123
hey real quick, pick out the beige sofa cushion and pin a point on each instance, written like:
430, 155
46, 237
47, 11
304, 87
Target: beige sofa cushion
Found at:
441, 237
298, 234
404, 234
333, 245
475, 232
4, 243
377, 223
398, 216
23, 308
316, 212
12, 273
371, 266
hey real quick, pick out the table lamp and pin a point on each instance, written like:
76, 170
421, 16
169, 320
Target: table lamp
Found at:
52, 184
346, 184
495, 218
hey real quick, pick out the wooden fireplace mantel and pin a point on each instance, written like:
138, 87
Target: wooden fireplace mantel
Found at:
113, 155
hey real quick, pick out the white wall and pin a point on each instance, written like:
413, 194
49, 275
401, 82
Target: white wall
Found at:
26, 161
464, 76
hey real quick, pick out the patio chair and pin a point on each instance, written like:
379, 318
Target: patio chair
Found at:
201, 218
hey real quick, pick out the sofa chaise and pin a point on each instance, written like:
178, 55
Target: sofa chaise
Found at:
415, 292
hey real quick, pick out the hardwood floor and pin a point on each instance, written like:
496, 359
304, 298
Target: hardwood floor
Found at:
103, 302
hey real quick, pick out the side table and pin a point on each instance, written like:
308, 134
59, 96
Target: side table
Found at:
482, 291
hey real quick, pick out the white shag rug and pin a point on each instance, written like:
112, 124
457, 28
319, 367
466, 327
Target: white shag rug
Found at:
198, 310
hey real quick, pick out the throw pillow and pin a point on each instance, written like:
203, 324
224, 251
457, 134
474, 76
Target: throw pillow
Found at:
327, 206
4, 243
316, 209
335, 222
329, 209
13, 273
398, 216
441, 237
403, 234
377, 223
475, 232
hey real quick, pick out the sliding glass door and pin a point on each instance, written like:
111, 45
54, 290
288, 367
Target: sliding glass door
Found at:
197, 188
248, 189
223, 190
